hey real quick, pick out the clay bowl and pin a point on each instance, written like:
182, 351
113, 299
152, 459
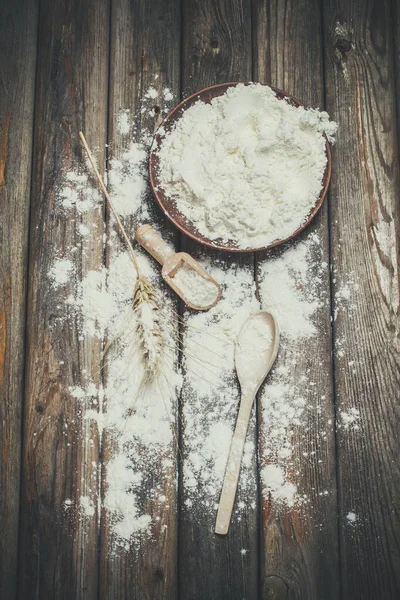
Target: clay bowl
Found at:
168, 205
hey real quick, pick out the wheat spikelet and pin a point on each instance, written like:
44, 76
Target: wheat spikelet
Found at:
148, 324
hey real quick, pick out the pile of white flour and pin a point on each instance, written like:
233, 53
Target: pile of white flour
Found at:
247, 167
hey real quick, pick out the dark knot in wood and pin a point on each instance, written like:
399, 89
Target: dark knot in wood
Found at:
343, 45
342, 38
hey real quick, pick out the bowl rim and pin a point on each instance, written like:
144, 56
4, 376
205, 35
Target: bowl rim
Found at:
181, 222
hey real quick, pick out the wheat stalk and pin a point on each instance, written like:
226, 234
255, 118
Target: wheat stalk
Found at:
144, 300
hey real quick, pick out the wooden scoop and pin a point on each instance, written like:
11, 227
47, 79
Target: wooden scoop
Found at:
172, 262
255, 352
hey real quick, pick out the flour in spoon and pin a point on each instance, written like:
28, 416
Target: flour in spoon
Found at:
195, 288
247, 167
253, 350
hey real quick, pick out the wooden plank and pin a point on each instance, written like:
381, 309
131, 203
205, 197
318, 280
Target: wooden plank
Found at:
216, 48
58, 550
360, 94
396, 47
18, 35
300, 557
145, 53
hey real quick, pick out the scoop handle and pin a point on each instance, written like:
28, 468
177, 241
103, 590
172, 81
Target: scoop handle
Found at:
231, 479
151, 241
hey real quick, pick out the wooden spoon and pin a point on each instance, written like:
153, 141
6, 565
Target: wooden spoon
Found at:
172, 262
255, 352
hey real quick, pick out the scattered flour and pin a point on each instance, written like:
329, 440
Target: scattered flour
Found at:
168, 95
128, 180
124, 122
346, 296
83, 230
86, 506
120, 501
61, 270
137, 427
350, 420
351, 517
141, 435
247, 167
290, 289
137, 424
77, 192
274, 482
78, 393
289, 293
210, 393
151, 93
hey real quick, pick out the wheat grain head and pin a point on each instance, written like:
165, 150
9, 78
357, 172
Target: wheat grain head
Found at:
148, 329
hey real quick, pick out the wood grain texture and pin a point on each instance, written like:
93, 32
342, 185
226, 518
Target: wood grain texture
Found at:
282, 42
145, 53
58, 548
360, 94
18, 43
300, 558
396, 48
216, 48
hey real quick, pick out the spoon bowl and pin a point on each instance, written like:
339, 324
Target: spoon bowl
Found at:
256, 349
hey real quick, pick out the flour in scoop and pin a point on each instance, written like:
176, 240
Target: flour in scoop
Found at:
195, 288
246, 168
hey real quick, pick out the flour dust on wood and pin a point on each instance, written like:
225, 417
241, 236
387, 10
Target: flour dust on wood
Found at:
138, 419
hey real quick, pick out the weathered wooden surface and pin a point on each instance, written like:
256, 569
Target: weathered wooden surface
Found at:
145, 53
300, 558
18, 34
216, 48
396, 47
345, 52
58, 550
365, 236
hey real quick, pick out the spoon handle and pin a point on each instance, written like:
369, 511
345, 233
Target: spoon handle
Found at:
228, 493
